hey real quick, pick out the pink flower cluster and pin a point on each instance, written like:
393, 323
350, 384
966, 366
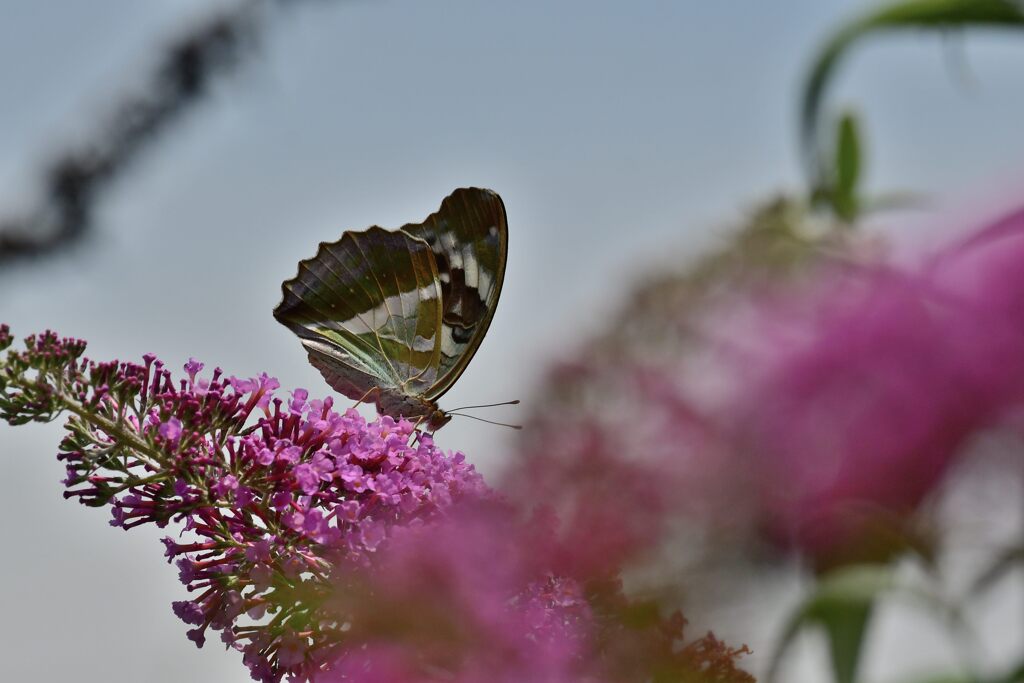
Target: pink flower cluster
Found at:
331, 488
326, 548
270, 508
473, 595
875, 385
821, 412
485, 595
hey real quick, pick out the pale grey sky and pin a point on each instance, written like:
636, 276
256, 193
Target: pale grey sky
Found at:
619, 133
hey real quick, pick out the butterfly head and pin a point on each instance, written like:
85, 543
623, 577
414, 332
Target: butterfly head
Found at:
437, 419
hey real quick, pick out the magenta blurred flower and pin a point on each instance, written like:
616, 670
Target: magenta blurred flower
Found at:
983, 271
867, 413
882, 380
820, 409
480, 596
471, 595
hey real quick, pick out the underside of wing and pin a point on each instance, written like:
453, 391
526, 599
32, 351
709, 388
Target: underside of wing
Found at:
469, 239
368, 310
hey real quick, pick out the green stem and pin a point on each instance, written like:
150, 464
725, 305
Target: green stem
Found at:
143, 450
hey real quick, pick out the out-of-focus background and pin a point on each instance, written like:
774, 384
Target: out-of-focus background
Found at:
623, 136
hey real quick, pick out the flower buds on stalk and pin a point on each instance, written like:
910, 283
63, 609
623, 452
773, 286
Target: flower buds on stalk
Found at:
327, 548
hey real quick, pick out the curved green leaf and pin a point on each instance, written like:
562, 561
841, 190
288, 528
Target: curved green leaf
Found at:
907, 14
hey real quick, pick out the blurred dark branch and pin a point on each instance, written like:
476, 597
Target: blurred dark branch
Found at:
77, 177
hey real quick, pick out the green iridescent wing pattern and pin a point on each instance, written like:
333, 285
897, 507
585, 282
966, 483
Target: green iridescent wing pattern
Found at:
368, 310
402, 311
469, 238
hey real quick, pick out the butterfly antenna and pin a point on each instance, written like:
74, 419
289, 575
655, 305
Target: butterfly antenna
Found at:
474, 417
487, 405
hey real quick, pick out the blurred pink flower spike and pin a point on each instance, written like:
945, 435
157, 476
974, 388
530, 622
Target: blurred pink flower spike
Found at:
819, 409
884, 378
472, 596
985, 270
618, 475
476, 597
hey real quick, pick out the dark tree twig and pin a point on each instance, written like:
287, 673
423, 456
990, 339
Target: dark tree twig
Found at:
76, 178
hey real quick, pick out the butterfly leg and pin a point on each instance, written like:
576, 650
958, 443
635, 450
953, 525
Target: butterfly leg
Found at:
416, 428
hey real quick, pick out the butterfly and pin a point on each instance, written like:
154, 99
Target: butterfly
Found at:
393, 317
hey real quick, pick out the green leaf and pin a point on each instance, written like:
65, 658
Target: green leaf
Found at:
845, 626
848, 155
845, 198
907, 14
841, 604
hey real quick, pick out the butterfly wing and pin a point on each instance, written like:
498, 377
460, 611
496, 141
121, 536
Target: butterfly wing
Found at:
469, 239
402, 311
368, 310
